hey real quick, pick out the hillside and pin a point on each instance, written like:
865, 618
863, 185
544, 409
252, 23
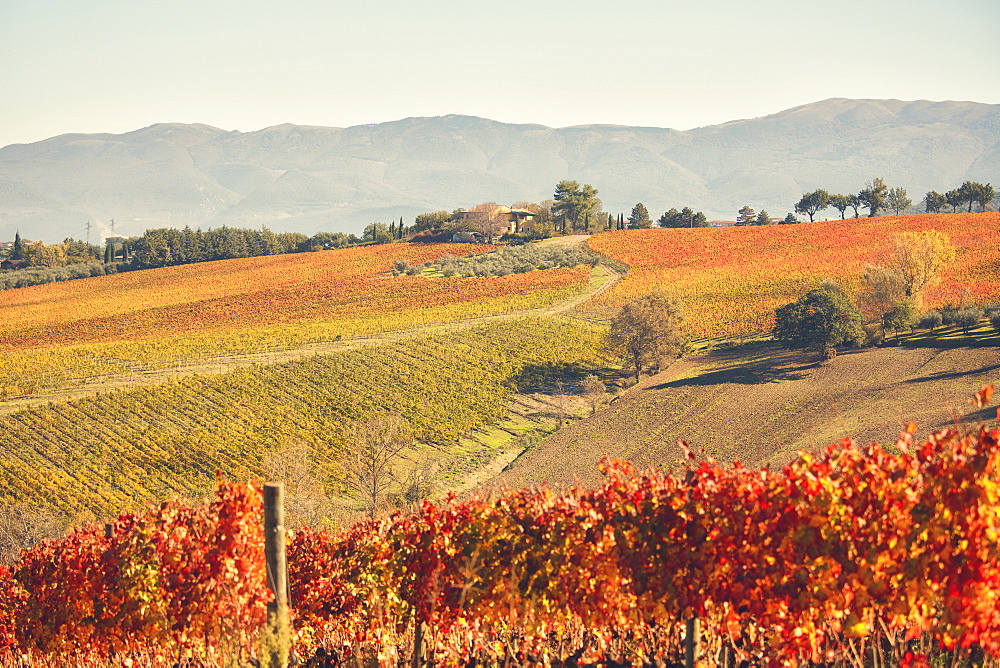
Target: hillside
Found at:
760, 405
306, 179
126, 388
139, 321
732, 279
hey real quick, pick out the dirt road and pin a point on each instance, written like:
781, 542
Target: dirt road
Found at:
602, 279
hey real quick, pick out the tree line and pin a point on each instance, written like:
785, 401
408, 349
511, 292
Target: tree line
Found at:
37, 254
162, 247
877, 196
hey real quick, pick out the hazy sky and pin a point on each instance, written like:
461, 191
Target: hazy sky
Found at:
118, 65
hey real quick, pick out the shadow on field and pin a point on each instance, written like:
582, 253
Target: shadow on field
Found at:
986, 416
558, 378
948, 375
749, 367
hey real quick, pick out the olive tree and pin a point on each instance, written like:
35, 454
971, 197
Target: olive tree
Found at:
874, 197
934, 202
898, 200
813, 202
840, 203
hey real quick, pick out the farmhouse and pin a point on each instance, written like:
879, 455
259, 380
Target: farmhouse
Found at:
13, 264
504, 219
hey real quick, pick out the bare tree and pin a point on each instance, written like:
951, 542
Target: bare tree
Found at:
490, 219
595, 391
416, 485
306, 500
22, 525
377, 445
882, 288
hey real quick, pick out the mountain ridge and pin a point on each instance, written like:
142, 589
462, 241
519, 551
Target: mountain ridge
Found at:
309, 178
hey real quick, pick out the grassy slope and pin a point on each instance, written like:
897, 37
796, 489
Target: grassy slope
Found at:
760, 405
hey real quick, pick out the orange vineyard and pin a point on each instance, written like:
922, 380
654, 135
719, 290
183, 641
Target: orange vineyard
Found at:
160, 316
232, 294
732, 279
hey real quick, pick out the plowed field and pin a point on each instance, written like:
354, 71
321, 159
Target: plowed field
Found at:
761, 405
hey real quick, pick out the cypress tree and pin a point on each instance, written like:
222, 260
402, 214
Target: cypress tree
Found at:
18, 251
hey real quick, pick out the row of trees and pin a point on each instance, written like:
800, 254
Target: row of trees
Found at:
687, 217
878, 196
576, 208
163, 247
969, 193
747, 216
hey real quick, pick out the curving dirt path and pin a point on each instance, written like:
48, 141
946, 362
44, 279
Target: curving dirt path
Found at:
601, 279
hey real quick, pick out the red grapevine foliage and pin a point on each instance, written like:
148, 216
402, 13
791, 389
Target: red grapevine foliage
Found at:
855, 547
852, 551
173, 583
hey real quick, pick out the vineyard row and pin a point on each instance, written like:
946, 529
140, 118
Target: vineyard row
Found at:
117, 450
854, 555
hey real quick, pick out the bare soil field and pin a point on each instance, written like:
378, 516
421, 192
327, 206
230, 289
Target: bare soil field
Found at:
760, 405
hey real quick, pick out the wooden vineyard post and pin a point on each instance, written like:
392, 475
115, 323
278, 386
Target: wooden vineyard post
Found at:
419, 645
279, 630
728, 659
692, 642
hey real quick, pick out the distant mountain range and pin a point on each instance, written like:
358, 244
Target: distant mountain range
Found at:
307, 178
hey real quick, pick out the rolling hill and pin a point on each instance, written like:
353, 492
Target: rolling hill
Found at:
760, 405
306, 179
126, 388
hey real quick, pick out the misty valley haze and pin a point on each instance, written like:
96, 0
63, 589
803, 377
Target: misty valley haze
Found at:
307, 178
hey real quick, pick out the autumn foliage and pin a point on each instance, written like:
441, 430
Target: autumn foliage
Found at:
171, 584
857, 545
731, 279
159, 317
836, 557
